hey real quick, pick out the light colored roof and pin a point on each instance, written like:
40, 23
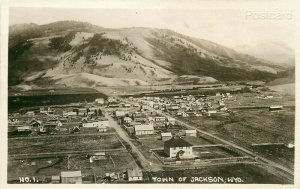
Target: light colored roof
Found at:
70, 174
134, 173
166, 134
99, 154
55, 177
275, 106
24, 127
143, 127
190, 131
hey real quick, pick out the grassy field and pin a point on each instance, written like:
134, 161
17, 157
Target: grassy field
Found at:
246, 127
62, 143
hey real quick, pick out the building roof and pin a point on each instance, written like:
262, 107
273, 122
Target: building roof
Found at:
134, 173
190, 131
70, 174
55, 177
24, 128
166, 134
144, 127
275, 106
99, 154
177, 142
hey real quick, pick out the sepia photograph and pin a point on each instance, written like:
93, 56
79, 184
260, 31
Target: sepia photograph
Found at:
151, 95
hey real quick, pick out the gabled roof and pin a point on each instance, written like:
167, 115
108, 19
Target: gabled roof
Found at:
143, 127
177, 142
166, 134
71, 174
134, 173
190, 131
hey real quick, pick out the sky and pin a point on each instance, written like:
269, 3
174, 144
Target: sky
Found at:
229, 27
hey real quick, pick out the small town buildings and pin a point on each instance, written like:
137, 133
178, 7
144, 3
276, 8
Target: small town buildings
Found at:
184, 114
69, 114
71, 177
144, 107
191, 133
55, 179
136, 105
134, 175
50, 126
102, 128
95, 123
35, 123
166, 136
211, 111
275, 108
29, 114
127, 120
24, 129
178, 148
120, 114
97, 156
126, 105
144, 129
13, 121
99, 101
171, 120
221, 103
159, 119
172, 107
111, 99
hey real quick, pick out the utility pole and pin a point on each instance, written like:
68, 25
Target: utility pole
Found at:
68, 161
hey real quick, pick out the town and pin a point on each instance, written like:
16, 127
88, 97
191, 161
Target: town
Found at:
135, 138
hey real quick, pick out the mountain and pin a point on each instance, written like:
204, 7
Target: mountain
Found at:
276, 52
70, 53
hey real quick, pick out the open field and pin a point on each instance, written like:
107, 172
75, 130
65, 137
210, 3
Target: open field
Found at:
250, 99
253, 126
213, 152
62, 143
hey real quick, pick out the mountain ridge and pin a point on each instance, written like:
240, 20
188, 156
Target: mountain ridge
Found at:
69, 52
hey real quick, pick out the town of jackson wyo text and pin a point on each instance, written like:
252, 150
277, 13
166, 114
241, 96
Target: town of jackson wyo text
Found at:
195, 179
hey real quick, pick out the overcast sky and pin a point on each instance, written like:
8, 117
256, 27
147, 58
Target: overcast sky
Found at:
229, 27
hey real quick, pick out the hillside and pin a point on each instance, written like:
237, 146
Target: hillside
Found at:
70, 53
276, 52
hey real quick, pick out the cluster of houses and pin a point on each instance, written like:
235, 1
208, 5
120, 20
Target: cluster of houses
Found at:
186, 106
46, 120
140, 123
76, 176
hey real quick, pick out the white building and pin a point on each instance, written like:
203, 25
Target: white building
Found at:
96, 123
191, 133
120, 113
134, 175
171, 120
144, 129
177, 147
99, 100
166, 136
158, 119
